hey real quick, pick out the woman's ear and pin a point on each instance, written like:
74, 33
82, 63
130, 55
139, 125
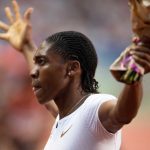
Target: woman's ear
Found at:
73, 68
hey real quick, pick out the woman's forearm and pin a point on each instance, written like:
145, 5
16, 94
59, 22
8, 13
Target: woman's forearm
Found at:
129, 102
28, 51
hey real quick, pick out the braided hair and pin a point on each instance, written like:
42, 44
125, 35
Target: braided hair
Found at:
72, 45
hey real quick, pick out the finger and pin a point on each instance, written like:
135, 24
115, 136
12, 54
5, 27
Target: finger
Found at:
27, 14
4, 26
16, 9
136, 40
141, 55
144, 41
4, 36
142, 62
140, 49
9, 15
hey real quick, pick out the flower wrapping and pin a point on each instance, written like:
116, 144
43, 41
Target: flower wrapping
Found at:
124, 68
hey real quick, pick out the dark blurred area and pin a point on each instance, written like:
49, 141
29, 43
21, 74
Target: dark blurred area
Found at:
25, 124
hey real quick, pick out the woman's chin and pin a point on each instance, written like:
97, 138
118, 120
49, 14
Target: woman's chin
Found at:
43, 100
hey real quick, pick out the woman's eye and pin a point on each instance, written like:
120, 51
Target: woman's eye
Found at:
41, 61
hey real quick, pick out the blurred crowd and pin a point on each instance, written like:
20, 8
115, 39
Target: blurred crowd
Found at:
24, 124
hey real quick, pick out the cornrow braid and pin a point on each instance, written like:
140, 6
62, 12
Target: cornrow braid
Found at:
72, 45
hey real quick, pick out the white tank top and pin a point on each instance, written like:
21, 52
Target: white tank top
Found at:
82, 129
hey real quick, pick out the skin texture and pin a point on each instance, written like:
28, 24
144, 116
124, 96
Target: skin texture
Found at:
49, 73
61, 80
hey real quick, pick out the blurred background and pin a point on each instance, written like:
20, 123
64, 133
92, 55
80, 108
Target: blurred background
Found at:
25, 124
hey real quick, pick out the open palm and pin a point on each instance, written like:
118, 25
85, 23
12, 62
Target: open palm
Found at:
18, 32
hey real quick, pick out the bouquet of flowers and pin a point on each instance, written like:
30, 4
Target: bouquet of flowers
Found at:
125, 69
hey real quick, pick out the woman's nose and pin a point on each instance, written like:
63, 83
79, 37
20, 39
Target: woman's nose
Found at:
34, 73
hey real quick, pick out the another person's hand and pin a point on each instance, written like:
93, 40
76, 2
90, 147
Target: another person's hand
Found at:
18, 33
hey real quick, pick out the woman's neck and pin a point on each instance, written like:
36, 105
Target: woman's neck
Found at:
69, 102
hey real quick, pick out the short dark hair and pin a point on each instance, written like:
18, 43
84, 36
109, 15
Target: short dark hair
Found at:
72, 45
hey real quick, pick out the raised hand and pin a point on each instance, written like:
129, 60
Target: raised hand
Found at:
133, 63
141, 55
18, 32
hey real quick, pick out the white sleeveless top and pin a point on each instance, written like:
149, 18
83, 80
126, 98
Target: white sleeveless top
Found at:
82, 129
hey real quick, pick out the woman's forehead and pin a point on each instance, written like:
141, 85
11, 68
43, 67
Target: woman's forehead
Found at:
46, 50
42, 49
43, 45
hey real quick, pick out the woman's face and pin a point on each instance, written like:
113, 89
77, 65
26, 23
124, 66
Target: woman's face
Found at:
49, 74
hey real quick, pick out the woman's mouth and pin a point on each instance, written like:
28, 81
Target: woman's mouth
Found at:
36, 87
